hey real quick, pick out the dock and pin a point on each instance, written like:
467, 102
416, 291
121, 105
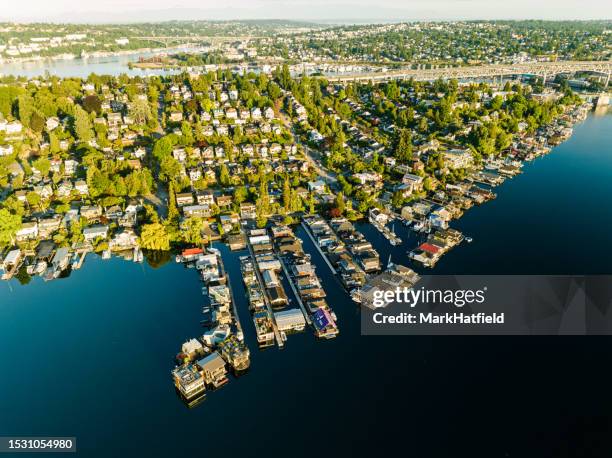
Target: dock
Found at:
316, 244
231, 291
295, 292
387, 233
277, 334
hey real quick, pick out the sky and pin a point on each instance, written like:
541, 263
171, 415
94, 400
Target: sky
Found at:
308, 10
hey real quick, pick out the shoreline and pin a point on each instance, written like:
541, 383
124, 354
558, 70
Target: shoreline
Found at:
93, 54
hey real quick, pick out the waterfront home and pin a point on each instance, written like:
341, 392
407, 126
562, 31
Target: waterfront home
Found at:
12, 260
192, 348
47, 226
124, 240
189, 382
61, 259
437, 221
290, 320
215, 336
396, 276
94, 232
458, 159
28, 231
235, 352
213, 370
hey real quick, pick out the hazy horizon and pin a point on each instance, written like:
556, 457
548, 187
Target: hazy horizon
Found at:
130, 11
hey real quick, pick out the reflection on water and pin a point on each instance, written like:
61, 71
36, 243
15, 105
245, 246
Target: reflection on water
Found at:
101, 65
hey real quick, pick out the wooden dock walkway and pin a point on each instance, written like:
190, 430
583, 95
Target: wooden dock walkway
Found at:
231, 290
277, 333
316, 244
295, 291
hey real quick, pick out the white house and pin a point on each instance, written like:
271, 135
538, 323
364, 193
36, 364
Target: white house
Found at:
93, 232
6, 150
28, 231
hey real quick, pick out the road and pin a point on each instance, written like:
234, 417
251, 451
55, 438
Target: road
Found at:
312, 156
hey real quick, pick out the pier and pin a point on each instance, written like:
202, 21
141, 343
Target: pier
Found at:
295, 292
277, 334
231, 291
316, 244
387, 233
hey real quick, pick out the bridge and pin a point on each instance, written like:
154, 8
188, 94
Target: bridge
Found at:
541, 69
178, 39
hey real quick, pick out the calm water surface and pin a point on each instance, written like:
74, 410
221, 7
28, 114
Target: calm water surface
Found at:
107, 65
90, 356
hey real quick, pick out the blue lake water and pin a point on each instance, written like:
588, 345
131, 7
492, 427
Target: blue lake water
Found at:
100, 65
90, 355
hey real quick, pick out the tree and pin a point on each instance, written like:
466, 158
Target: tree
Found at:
192, 230
263, 203
403, 147
140, 111
340, 204
82, 125
172, 210
154, 236
224, 176
43, 165
311, 204
240, 194
286, 194
37, 122
54, 144
92, 104
33, 199
9, 225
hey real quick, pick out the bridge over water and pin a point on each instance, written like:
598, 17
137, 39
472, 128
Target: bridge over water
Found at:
541, 69
212, 39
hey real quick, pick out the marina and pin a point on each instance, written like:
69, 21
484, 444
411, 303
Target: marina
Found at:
305, 284
202, 361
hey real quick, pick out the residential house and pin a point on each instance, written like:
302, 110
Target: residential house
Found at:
81, 187
94, 232
202, 211
248, 210
28, 231
185, 198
